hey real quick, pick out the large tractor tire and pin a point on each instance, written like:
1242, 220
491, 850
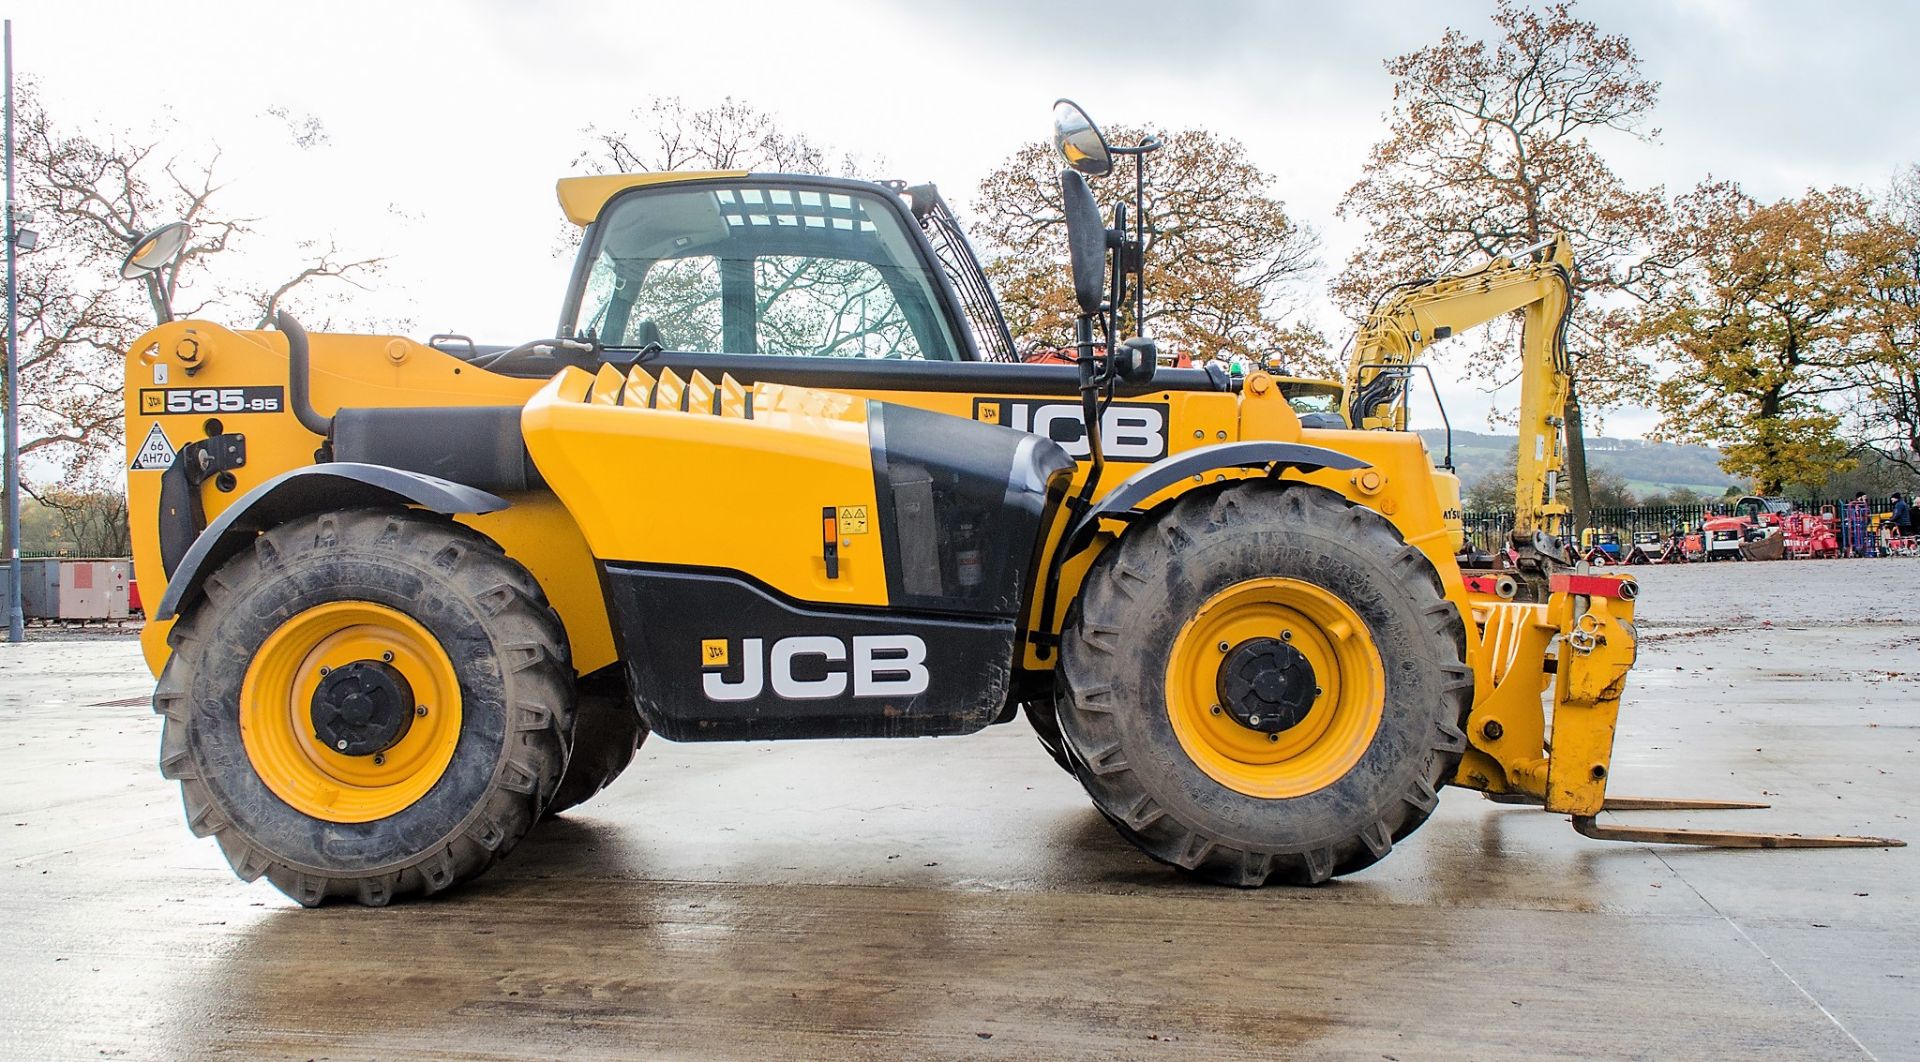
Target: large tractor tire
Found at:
1045, 719
607, 731
1265, 683
367, 705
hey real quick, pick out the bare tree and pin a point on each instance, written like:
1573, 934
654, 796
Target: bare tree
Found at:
91, 519
91, 197
70, 363
667, 134
324, 262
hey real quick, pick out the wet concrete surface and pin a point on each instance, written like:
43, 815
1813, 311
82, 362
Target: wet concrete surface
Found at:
960, 898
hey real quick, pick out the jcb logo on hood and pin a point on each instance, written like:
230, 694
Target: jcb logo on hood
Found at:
1129, 431
816, 667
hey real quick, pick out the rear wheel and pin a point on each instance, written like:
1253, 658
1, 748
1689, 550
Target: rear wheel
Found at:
366, 705
1265, 683
607, 731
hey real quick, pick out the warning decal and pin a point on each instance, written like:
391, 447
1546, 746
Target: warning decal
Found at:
155, 453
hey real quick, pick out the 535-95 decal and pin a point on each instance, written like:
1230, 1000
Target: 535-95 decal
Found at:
159, 400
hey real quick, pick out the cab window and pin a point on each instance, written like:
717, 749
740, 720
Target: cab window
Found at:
1312, 396
762, 268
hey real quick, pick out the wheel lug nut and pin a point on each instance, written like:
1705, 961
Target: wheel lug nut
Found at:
1317, 691
1286, 636
1274, 738
341, 744
379, 758
1215, 709
1254, 719
421, 711
1223, 647
325, 670
387, 657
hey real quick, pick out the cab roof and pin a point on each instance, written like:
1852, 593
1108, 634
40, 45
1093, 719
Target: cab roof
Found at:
581, 198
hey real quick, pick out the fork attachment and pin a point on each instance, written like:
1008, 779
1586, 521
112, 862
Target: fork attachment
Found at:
1583, 637
1641, 803
1587, 827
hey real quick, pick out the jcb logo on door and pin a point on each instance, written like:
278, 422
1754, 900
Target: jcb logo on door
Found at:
1129, 431
816, 667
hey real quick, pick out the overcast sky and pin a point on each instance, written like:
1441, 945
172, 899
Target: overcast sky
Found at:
448, 123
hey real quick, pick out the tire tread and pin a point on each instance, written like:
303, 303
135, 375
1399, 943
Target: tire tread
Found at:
539, 698
1092, 692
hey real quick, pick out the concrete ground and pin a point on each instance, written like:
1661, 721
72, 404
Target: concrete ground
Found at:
961, 898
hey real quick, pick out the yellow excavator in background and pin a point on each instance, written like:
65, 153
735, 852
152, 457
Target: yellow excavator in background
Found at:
1412, 316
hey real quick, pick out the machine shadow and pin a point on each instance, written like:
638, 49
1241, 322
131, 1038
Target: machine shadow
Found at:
565, 947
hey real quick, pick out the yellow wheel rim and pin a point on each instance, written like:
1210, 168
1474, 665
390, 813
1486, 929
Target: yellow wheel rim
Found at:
1338, 726
276, 721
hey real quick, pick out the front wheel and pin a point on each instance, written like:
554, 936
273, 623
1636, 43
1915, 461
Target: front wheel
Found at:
1265, 683
367, 705
1045, 719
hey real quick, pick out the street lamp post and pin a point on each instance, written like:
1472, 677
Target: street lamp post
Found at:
16, 619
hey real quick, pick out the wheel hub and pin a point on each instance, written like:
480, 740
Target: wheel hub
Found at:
362, 709
1267, 685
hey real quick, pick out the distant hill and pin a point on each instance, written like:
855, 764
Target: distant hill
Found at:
1646, 466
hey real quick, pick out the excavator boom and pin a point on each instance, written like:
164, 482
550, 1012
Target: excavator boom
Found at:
1412, 317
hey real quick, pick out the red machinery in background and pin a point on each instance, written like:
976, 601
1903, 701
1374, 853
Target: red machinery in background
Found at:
1720, 537
1810, 536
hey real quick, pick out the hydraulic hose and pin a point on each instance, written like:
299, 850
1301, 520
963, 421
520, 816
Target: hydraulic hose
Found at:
298, 376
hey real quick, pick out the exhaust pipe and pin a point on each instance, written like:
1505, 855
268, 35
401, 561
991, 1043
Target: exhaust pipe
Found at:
298, 374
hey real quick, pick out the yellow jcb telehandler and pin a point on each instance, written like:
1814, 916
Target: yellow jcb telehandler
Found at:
782, 477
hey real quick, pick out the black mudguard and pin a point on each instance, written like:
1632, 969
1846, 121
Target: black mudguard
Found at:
1164, 473
311, 489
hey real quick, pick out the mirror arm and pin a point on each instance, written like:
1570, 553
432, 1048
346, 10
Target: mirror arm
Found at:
1091, 378
1139, 255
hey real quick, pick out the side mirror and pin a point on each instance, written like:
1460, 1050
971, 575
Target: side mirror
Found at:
1078, 140
1086, 242
1135, 360
152, 252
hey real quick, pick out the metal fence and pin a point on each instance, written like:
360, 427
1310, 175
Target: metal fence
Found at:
1488, 528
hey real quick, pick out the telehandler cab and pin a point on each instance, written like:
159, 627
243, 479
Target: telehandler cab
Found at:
783, 478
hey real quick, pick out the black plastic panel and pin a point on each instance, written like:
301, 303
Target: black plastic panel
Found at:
962, 508
479, 446
711, 656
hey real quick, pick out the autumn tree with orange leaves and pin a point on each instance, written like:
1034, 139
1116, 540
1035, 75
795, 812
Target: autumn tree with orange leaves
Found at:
1780, 315
1883, 418
1492, 146
1222, 253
